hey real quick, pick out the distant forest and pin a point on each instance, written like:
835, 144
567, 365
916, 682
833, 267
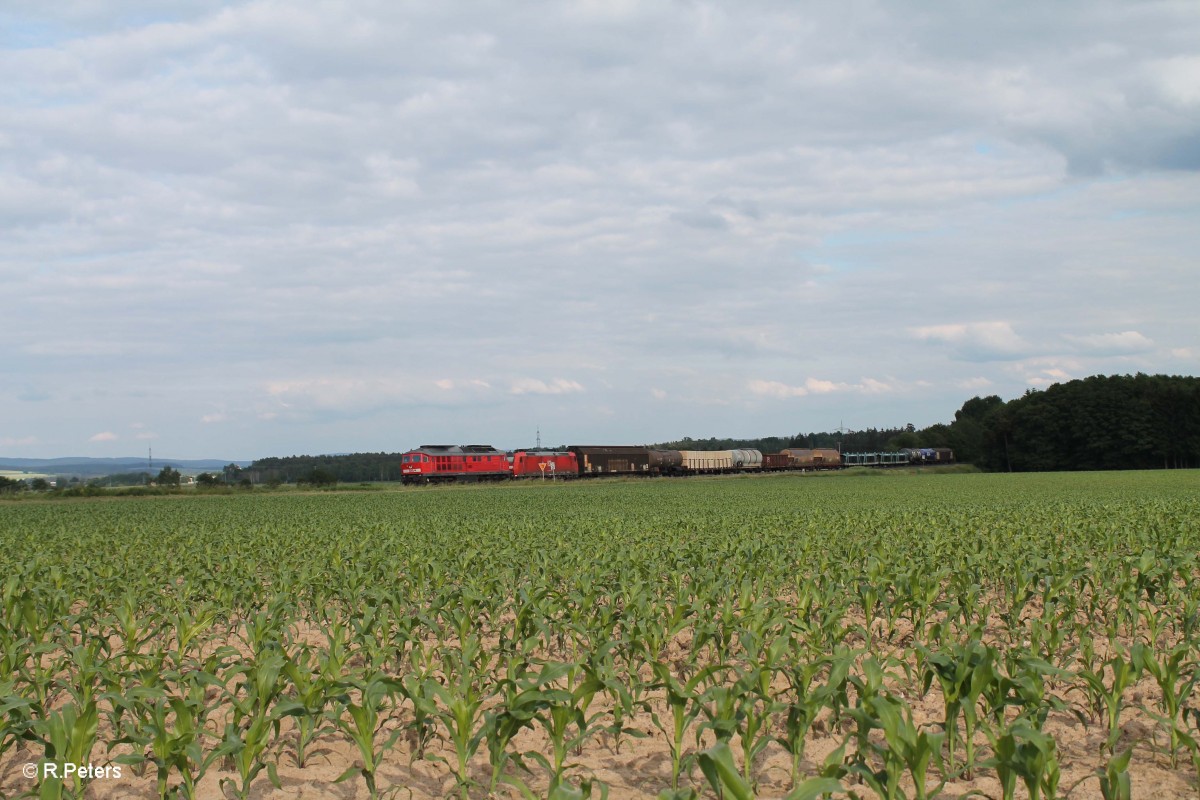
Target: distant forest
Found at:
352, 468
1098, 423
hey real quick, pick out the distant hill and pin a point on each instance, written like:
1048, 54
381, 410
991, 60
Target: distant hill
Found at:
95, 467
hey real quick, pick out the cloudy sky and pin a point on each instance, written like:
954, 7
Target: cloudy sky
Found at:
236, 230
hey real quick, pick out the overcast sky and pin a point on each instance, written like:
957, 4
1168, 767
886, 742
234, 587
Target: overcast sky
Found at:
272, 228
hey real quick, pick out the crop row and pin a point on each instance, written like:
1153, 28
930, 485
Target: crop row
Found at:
862, 638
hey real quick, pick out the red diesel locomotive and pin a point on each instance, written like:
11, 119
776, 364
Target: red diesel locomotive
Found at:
434, 463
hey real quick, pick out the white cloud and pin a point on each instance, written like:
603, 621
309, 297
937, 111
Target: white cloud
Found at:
336, 394
350, 396
1044, 371
872, 386
1124, 343
24, 441
822, 387
816, 386
976, 341
473, 384
214, 417
376, 231
1179, 79
1047, 377
535, 386
105, 436
776, 389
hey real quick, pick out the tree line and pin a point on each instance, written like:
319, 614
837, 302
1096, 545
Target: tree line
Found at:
1097, 423
1102, 422
325, 469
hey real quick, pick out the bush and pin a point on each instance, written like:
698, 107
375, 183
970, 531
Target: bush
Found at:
168, 477
319, 477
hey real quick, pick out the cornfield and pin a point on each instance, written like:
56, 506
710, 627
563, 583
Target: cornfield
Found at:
778, 636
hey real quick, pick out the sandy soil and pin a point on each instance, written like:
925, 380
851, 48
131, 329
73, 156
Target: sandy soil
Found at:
641, 767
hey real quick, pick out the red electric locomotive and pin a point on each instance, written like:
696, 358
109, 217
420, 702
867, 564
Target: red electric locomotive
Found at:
544, 464
433, 463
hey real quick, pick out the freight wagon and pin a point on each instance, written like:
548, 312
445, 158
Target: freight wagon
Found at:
901, 458
621, 460
716, 461
815, 458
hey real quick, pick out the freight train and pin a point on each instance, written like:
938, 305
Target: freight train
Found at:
436, 463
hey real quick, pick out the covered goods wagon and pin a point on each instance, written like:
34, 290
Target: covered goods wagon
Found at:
623, 460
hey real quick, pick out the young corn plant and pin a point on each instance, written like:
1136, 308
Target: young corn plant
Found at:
189, 625
361, 720
257, 708
620, 688
1022, 751
963, 671
872, 594
722, 705
169, 731
563, 717
422, 729
758, 709
311, 694
17, 723
908, 747
134, 628
1115, 782
807, 698
1023, 686
744, 708
524, 697
918, 591
1190, 739
685, 700
43, 660
583, 791
70, 733
1176, 678
1108, 696
722, 774
460, 707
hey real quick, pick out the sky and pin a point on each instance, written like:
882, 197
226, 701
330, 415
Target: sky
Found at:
265, 228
